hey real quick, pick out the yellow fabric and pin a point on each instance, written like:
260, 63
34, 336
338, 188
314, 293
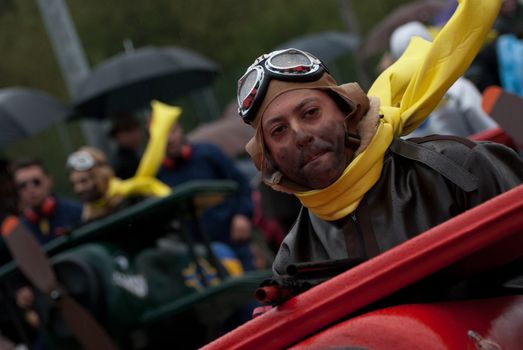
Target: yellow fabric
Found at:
233, 266
408, 91
164, 117
144, 182
146, 186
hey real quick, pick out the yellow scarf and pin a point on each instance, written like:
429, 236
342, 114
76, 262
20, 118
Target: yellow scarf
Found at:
408, 91
144, 182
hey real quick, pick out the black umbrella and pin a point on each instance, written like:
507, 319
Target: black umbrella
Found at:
26, 112
130, 80
327, 46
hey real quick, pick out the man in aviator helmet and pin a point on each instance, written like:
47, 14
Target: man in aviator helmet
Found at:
363, 188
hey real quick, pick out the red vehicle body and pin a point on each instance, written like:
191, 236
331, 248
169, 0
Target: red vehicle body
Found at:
352, 310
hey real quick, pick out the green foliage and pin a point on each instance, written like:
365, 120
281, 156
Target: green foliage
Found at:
27, 57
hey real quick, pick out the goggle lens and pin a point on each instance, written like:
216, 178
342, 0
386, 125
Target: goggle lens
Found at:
290, 62
248, 87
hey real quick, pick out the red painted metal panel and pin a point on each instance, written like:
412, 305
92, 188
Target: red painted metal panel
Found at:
439, 326
496, 223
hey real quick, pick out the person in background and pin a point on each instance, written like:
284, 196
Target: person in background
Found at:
487, 68
47, 215
127, 132
459, 112
103, 193
363, 188
228, 222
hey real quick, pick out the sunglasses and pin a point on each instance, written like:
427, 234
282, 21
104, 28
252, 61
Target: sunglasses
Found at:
35, 182
288, 64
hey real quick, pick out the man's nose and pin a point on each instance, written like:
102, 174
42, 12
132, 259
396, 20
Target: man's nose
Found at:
303, 138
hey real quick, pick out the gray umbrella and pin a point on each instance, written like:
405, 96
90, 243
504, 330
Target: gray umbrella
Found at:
130, 80
419, 10
327, 46
26, 112
228, 132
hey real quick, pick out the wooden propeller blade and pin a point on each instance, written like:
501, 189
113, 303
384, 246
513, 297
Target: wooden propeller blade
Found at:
29, 256
87, 330
34, 264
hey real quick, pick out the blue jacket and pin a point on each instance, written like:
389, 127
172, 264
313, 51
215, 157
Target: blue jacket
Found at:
66, 215
208, 162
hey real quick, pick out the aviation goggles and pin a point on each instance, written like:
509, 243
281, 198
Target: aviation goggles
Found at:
288, 64
80, 161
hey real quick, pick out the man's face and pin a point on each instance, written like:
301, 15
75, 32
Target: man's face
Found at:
305, 135
174, 141
84, 186
33, 185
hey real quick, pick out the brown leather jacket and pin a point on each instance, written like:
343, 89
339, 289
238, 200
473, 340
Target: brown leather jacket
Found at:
424, 182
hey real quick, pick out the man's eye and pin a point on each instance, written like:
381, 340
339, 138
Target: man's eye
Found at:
311, 112
278, 130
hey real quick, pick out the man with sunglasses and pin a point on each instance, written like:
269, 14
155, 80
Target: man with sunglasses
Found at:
46, 214
364, 189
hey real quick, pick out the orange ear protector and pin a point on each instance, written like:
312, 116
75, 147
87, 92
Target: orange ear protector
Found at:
46, 209
185, 155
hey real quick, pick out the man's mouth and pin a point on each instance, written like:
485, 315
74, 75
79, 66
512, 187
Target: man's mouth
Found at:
311, 157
